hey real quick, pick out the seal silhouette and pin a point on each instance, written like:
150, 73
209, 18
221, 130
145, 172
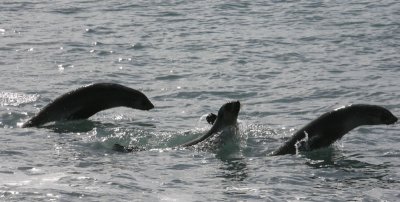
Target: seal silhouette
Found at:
86, 101
227, 117
333, 125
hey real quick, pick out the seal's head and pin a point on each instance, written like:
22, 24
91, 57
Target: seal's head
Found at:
144, 104
383, 115
136, 99
225, 124
227, 117
374, 114
228, 113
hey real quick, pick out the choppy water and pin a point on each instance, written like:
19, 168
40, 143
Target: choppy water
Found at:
287, 61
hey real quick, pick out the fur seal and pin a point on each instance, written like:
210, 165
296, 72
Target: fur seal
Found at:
331, 126
87, 101
227, 117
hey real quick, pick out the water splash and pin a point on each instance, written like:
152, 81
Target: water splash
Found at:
302, 145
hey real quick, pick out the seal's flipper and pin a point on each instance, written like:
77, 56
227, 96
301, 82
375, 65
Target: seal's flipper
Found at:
211, 118
87, 101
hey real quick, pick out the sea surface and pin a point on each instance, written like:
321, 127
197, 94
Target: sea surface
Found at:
287, 62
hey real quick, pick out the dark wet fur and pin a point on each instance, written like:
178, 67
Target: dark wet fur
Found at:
227, 116
211, 118
86, 101
331, 126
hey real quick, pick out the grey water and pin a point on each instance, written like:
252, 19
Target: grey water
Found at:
286, 61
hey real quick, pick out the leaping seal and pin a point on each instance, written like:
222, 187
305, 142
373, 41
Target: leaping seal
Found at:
227, 117
86, 101
333, 125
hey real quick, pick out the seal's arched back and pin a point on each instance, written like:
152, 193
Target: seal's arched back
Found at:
331, 126
87, 101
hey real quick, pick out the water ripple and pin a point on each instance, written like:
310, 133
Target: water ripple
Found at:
287, 61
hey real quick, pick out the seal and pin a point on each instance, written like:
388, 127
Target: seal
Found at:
227, 117
333, 125
86, 101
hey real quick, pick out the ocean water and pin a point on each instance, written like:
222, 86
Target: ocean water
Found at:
286, 61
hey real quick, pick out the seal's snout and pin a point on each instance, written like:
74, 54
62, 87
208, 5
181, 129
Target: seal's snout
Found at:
390, 119
395, 119
144, 104
235, 106
149, 106
232, 106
